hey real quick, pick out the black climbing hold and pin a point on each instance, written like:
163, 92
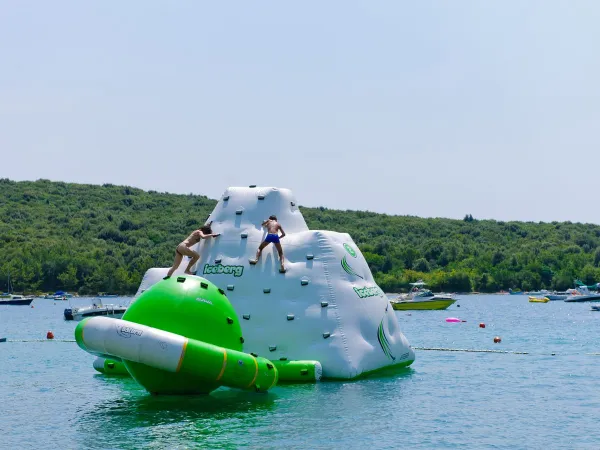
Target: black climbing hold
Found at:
303, 282
310, 256
324, 304
230, 287
269, 366
244, 235
261, 197
293, 203
267, 290
252, 186
282, 270
111, 365
272, 348
226, 198
304, 372
229, 320
239, 212
283, 359
290, 317
241, 339
254, 354
203, 285
218, 261
221, 291
246, 316
326, 335
181, 279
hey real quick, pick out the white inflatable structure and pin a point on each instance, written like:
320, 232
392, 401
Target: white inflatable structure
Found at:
326, 307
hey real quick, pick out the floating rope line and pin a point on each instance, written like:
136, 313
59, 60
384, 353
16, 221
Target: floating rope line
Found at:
439, 349
40, 340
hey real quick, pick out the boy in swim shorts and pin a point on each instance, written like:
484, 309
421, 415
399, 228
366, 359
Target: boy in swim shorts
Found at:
272, 237
183, 249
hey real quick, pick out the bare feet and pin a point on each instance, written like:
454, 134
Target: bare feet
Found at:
282, 269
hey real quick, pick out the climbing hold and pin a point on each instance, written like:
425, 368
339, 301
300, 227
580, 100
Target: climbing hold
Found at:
293, 203
261, 197
239, 212
482, 325
218, 261
49, 335
283, 358
324, 304
304, 372
267, 290
252, 261
497, 340
241, 339
229, 320
270, 366
230, 287
203, 285
290, 317
272, 348
181, 279
221, 291
303, 282
244, 235
254, 354
246, 316
282, 270
310, 256
326, 335
252, 186
225, 198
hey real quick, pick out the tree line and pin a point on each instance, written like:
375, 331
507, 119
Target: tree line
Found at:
90, 238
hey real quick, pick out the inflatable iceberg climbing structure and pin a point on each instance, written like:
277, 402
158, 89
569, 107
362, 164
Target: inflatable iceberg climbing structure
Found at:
326, 307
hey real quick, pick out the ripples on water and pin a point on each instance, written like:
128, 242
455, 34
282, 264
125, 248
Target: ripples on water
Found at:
51, 397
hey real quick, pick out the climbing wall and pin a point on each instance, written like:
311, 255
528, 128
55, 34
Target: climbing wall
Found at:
326, 307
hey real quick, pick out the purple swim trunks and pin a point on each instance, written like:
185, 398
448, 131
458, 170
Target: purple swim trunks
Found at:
272, 238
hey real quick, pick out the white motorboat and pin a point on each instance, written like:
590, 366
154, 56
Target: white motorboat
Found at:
96, 309
420, 299
582, 294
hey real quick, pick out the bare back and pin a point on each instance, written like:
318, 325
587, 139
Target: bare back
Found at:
272, 226
192, 239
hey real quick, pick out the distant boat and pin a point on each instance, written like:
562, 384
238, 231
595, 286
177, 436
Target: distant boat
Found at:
582, 294
421, 299
8, 298
107, 295
511, 292
97, 309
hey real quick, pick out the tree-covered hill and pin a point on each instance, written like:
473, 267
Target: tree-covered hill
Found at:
91, 239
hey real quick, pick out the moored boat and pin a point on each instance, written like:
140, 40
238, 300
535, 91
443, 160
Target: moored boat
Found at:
421, 299
12, 299
96, 309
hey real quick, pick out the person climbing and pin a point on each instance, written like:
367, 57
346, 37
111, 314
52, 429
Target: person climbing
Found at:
183, 249
273, 228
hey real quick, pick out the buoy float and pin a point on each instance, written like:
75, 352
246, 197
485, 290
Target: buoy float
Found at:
482, 325
32, 306
452, 319
497, 340
49, 335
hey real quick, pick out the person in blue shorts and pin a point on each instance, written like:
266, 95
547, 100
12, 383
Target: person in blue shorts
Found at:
273, 228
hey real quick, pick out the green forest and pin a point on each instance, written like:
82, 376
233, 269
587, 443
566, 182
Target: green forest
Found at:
89, 239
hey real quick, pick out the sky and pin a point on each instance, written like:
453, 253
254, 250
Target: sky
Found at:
428, 108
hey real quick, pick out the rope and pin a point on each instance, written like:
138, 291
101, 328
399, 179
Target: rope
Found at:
41, 340
439, 349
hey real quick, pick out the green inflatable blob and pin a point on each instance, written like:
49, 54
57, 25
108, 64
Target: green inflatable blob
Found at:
192, 307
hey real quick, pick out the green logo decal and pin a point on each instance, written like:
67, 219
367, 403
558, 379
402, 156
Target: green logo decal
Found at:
349, 270
350, 250
369, 291
220, 269
383, 341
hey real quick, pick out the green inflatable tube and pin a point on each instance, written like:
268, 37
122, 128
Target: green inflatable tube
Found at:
110, 367
166, 363
299, 371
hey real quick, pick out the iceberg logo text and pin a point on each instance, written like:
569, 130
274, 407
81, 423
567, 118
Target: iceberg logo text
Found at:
127, 332
368, 291
220, 269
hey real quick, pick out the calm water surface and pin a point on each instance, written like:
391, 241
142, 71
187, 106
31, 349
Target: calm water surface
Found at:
51, 397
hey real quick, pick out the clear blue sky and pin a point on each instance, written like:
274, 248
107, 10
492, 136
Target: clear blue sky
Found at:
428, 108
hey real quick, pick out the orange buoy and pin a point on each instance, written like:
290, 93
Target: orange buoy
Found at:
482, 325
49, 335
497, 340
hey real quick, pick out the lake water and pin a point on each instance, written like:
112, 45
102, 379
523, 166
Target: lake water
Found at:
51, 397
